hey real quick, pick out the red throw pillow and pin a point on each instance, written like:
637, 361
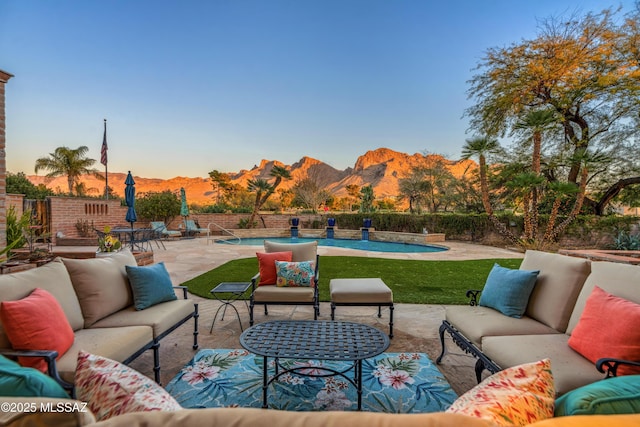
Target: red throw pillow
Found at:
267, 265
608, 327
36, 322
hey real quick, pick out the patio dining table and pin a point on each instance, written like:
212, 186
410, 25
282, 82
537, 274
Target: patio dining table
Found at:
135, 238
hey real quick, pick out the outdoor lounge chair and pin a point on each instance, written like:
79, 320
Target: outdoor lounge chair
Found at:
288, 295
192, 228
161, 231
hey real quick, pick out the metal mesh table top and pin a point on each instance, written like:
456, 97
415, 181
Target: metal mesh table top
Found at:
314, 339
231, 287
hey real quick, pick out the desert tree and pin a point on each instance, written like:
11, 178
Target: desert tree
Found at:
583, 69
263, 189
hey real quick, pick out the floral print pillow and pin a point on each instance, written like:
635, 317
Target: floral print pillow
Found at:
516, 396
111, 388
295, 273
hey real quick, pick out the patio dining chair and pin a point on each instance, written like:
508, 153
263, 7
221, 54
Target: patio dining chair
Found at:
294, 281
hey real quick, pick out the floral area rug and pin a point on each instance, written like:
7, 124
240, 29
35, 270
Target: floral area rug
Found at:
392, 382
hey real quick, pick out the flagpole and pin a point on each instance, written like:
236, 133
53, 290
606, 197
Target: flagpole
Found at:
103, 160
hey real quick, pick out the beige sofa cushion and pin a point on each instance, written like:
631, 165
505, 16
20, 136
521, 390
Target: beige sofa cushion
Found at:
570, 369
113, 343
557, 287
161, 317
101, 284
46, 411
301, 251
621, 280
476, 322
52, 277
251, 417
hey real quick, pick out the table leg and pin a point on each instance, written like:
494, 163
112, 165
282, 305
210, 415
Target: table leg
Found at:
359, 383
264, 381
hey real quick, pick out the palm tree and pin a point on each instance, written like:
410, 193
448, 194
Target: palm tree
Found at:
481, 147
535, 121
72, 163
264, 189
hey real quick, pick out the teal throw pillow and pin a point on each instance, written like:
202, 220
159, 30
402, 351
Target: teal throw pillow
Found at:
508, 290
150, 285
619, 395
19, 381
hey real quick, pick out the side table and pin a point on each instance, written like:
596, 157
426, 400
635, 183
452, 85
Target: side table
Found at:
233, 291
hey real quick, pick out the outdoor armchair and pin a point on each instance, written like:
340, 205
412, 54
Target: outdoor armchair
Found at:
302, 256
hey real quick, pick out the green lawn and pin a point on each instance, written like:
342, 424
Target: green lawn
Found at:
412, 281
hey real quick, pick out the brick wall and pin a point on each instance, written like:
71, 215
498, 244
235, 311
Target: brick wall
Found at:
17, 201
67, 211
231, 221
4, 78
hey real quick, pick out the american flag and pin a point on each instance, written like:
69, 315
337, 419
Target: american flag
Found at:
103, 152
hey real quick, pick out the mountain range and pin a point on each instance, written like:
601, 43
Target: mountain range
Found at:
381, 168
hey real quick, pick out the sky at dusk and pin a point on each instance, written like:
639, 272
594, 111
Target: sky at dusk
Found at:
192, 86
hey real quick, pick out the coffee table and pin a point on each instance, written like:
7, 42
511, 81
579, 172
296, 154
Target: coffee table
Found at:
314, 340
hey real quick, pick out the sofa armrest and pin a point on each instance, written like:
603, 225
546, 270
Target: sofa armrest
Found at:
48, 355
472, 294
609, 365
254, 282
184, 291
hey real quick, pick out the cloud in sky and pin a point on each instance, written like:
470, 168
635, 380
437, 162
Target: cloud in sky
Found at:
192, 86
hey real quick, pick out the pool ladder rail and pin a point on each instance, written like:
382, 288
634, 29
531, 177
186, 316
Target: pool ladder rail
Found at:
214, 238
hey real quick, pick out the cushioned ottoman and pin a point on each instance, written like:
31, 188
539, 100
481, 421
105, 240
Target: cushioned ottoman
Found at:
362, 292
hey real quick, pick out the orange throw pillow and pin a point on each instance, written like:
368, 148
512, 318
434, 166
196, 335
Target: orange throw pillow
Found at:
267, 265
36, 322
608, 327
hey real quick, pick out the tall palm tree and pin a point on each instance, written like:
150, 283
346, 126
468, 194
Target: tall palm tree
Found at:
481, 147
72, 163
264, 189
536, 122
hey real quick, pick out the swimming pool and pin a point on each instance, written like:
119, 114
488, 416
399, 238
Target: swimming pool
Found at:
365, 245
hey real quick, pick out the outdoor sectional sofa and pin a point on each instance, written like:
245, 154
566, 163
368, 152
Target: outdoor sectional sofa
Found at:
249, 417
553, 311
97, 300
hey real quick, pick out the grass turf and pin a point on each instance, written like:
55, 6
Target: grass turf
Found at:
412, 281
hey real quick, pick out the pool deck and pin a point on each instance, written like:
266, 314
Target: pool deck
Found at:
415, 325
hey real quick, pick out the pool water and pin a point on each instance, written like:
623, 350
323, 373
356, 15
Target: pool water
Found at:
365, 245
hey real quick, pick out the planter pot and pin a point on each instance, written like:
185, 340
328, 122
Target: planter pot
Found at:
366, 222
331, 222
295, 221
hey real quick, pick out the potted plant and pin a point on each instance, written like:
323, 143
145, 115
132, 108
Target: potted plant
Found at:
108, 243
